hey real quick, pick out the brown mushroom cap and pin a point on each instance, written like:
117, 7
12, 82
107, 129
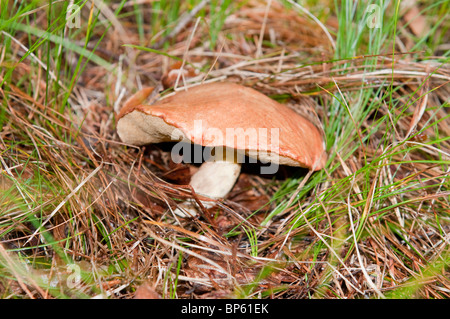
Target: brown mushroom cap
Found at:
222, 106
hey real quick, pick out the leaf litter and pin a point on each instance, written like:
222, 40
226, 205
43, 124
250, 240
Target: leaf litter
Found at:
107, 207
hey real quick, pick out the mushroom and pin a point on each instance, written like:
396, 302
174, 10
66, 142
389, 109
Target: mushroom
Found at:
231, 119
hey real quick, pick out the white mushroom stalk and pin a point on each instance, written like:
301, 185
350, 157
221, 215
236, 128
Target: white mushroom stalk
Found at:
214, 179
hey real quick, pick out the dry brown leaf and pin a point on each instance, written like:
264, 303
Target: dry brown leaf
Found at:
416, 22
146, 291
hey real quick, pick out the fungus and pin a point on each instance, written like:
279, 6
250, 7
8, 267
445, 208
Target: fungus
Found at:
234, 121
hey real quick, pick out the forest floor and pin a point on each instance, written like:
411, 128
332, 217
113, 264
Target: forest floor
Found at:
83, 215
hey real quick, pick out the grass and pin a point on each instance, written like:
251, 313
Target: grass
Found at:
82, 215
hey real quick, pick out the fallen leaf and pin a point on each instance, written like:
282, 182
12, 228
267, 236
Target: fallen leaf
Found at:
170, 78
145, 291
416, 22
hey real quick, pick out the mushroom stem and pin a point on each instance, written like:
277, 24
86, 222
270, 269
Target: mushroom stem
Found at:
214, 179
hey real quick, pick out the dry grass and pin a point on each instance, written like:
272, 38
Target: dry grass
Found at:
75, 200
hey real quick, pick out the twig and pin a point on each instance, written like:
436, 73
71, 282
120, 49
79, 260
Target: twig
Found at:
191, 36
34, 57
366, 275
309, 14
333, 252
420, 109
65, 200
16, 275
263, 28
183, 22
